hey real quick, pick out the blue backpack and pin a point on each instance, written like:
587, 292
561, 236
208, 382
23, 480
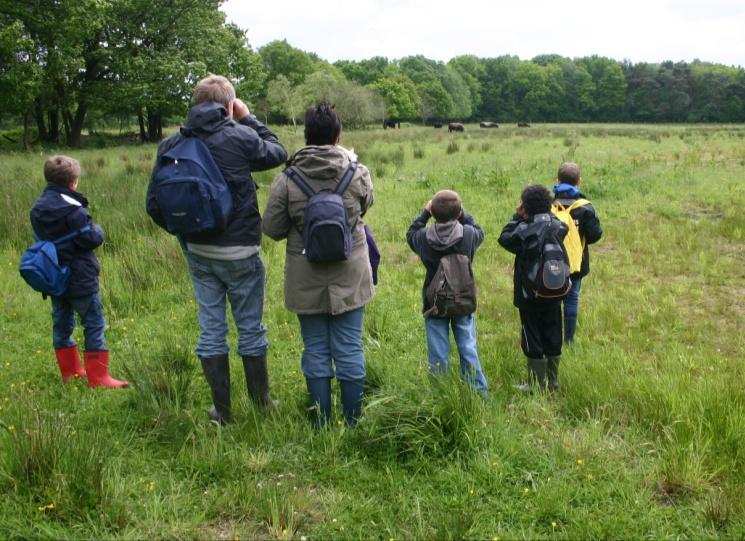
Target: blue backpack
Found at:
326, 234
40, 266
190, 190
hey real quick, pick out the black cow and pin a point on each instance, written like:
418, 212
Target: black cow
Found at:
523, 125
455, 126
437, 125
391, 124
489, 125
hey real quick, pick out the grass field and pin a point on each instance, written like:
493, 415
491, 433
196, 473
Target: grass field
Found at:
645, 440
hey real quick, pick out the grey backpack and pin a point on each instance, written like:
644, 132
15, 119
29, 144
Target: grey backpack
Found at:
452, 291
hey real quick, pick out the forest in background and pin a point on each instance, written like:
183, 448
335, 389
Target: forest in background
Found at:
70, 66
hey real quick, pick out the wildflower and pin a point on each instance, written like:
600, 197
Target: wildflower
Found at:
554, 524
11, 428
580, 462
151, 486
526, 490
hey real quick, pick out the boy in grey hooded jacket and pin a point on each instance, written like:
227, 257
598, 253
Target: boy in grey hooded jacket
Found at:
454, 231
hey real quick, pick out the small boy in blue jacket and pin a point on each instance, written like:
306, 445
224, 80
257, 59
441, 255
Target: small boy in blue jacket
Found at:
58, 211
454, 231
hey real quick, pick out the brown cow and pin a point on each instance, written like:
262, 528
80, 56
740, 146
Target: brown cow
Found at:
437, 125
455, 126
391, 124
489, 125
523, 125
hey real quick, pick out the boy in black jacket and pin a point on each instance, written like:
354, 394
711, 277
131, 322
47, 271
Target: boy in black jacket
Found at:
566, 192
454, 231
540, 336
61, 210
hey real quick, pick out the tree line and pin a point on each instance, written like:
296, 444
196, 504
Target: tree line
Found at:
66, 65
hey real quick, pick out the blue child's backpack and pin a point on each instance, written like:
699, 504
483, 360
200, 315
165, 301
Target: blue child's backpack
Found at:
190, 189
327, 236
41, 269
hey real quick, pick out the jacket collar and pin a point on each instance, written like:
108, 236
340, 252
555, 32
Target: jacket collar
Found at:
67, 192
207, 117
567, 191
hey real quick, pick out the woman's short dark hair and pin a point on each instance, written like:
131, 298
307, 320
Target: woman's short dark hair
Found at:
536, 199
322, 125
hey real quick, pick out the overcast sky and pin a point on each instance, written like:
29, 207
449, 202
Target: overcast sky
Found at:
637, 30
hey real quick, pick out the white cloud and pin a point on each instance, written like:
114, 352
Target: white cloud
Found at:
638, 30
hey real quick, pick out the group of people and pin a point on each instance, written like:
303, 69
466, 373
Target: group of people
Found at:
329, 298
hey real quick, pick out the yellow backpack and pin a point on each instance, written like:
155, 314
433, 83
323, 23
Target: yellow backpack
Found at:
573, 242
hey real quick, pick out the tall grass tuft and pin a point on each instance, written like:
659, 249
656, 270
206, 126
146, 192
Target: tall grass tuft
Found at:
48, 461
452, 147
439, 419
162, 380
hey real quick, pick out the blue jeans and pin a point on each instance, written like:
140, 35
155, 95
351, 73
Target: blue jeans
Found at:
438, 346
571, 311
242, 283
91, 316
337, 338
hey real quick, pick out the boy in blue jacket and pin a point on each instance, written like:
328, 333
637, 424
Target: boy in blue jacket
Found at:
454, 231
566, 191
58, 211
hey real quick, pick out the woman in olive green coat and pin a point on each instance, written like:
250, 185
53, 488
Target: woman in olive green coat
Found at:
329, 298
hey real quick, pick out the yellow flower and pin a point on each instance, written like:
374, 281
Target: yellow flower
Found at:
553, 524
580, 461
526, 490
151, 486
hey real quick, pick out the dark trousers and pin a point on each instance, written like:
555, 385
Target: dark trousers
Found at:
541, 332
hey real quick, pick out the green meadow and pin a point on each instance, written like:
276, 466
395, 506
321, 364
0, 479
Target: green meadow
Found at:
645, 440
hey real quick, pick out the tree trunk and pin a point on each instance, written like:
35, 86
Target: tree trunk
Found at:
76, 128
154, 127
53, 135
40, 124
141, 122
25, 130
66, 122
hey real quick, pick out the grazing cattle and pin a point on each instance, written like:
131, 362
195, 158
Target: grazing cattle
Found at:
523, 125
489, 125
437, 125
391, 124
455, 126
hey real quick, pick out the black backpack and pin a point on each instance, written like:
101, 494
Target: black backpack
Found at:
452, 291
546, 264
326, 234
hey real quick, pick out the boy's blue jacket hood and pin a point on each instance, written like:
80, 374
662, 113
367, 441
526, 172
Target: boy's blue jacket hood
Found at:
567, 191
57, 212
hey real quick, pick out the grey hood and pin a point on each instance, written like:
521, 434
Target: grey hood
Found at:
442, 236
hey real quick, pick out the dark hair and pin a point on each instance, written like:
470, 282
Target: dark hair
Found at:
322, 125
61, 170
568, 173
446, 206
536, 199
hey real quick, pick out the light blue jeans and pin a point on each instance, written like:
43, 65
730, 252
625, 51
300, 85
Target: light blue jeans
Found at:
336, 338
438, 346
91, 316
242, 283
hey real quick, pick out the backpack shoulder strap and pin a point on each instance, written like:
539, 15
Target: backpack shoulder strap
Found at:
294, 175
578, 203
346, 179
69, 236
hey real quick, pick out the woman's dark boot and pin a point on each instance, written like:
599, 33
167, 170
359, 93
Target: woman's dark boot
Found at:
217, 373
351, 400
319, 393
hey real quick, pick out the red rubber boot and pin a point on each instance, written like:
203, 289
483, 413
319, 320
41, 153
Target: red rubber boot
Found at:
69, 363
97, 366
